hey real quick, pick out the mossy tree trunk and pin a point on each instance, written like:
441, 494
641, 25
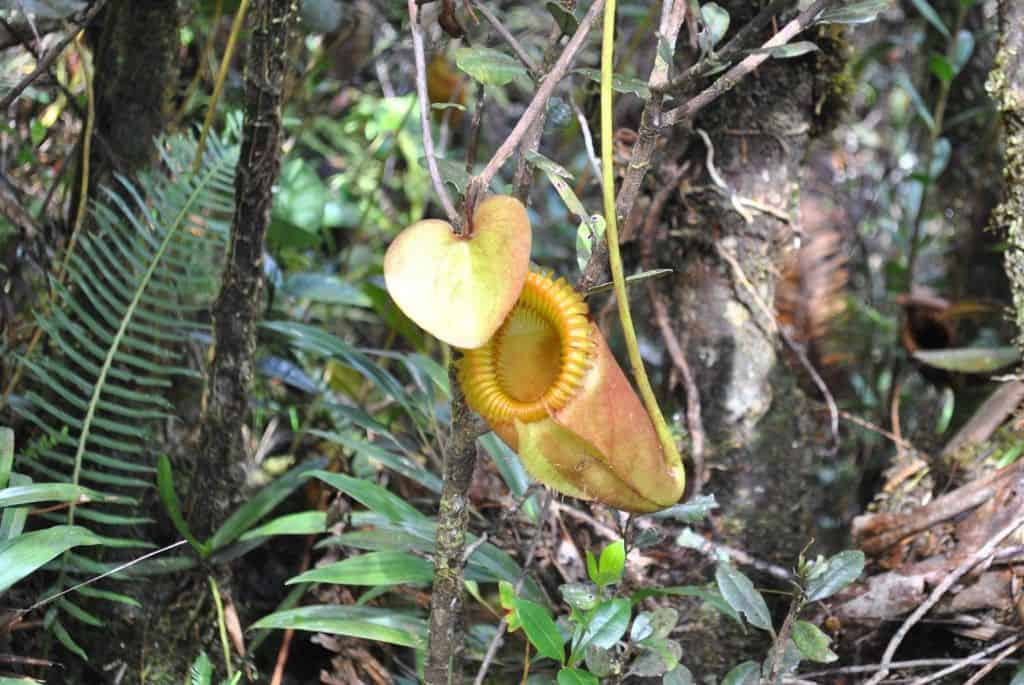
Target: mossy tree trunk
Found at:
726, 242
218, 474
134, 48
1006, 85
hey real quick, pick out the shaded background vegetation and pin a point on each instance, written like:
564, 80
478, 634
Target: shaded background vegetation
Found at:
828, 343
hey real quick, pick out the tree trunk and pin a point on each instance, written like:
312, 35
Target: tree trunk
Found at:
764, 442
134, 61
1006, 84
219, 474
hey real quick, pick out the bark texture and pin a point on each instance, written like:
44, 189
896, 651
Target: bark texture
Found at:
134, 48
446, 637
727, 243
1006, 85
219, 469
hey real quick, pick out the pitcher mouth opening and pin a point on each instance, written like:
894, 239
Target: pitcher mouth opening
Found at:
536, 361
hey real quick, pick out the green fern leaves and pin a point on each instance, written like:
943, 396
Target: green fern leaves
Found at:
115, 336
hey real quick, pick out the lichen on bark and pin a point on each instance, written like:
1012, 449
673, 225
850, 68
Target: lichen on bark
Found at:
1006, 86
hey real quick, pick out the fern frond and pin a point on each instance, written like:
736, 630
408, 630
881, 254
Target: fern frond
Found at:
116, 331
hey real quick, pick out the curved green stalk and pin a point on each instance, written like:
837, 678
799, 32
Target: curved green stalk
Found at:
668, 444
218, 85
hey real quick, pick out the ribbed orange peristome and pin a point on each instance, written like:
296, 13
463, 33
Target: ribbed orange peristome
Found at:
515, 378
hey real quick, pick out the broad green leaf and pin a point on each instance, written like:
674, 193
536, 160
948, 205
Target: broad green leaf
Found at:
373, 568
370, 623
52, 492
641, 629
940, 67
695, 510
580, 596
606, 625
6, 454
739, 592
857, 12
791, 50
169, 497
488, 66
662, 621
593, 571
929, 13
12, 521
620, 83
24, 554
658, 658
372, 496
452, 172
301, 523
716, 19
508, 463
262, 503
575, 676
680, 675
970, 359
963, 50
612, 563
813, 643
546, 165
828, 578
747, 673
1018, 676
566, 20
541, 629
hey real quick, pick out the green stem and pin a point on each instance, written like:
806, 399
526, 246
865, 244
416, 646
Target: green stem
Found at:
222, 627
668, 444
218, 85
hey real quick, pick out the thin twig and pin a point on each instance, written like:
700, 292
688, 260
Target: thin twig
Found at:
90, 581
713, 549
428, 136
916, 663
732, 77
875, 428
730, 50
522, 180
218, 84
588, 140
996, 660
508, 37
474, 129
672, 16
960, 664
983, 553
44, 64
540, 100
777, 657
